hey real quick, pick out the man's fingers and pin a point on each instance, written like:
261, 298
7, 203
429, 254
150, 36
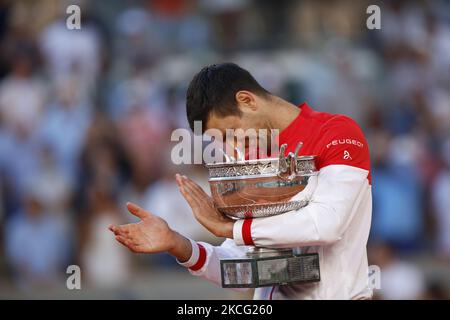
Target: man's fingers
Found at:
137, 211
117, 230
122, 240
127, 243
187, 195
197, 198
123, 230
197, 194
178, 179
195, 187
192, 201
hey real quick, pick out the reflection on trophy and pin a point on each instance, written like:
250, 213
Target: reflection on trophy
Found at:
261, 188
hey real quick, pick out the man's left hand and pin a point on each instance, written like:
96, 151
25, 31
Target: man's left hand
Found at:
203, 208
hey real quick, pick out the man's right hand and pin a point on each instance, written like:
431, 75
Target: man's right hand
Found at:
151, 235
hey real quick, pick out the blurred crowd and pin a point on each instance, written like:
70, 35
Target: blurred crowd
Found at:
86, 118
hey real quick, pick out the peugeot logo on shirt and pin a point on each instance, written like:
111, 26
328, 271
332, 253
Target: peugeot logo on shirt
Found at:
345, 141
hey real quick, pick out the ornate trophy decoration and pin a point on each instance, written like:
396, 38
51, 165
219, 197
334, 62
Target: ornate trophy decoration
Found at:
261, 188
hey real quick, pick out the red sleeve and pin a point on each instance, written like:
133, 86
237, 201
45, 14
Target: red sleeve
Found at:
342, 142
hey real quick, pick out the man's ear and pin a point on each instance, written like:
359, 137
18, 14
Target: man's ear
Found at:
246, 100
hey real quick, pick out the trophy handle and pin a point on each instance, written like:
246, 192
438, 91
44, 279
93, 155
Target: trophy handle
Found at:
287, 165
282, 163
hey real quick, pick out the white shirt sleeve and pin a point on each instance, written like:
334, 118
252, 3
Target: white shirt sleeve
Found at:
321, 222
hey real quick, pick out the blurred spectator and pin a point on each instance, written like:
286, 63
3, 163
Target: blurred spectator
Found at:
22, 93
439, 43
138, 35
140, 88
144, 136
2, 206
404, 25
180, 27
37, 245
441, 204
52, 186
65, 123
227, 16
105, 263
20, 150
72, 52
102, 161
400, 280
398, 202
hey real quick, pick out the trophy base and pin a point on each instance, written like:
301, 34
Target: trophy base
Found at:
264, 267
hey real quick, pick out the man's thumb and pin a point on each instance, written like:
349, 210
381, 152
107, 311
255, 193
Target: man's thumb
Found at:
136, 210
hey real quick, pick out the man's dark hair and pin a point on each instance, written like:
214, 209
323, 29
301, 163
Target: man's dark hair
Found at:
214, 88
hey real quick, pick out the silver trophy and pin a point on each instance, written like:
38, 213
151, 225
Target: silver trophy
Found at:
260, 188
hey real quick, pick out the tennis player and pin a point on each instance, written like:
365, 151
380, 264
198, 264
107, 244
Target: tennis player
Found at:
335, 223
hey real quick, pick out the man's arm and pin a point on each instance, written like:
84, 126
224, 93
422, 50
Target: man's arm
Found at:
321, 222
153, 235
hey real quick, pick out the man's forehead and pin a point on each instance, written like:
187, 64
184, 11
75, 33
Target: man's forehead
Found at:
221, 123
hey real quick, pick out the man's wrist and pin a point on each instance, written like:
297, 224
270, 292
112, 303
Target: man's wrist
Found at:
181, 248
228, 229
